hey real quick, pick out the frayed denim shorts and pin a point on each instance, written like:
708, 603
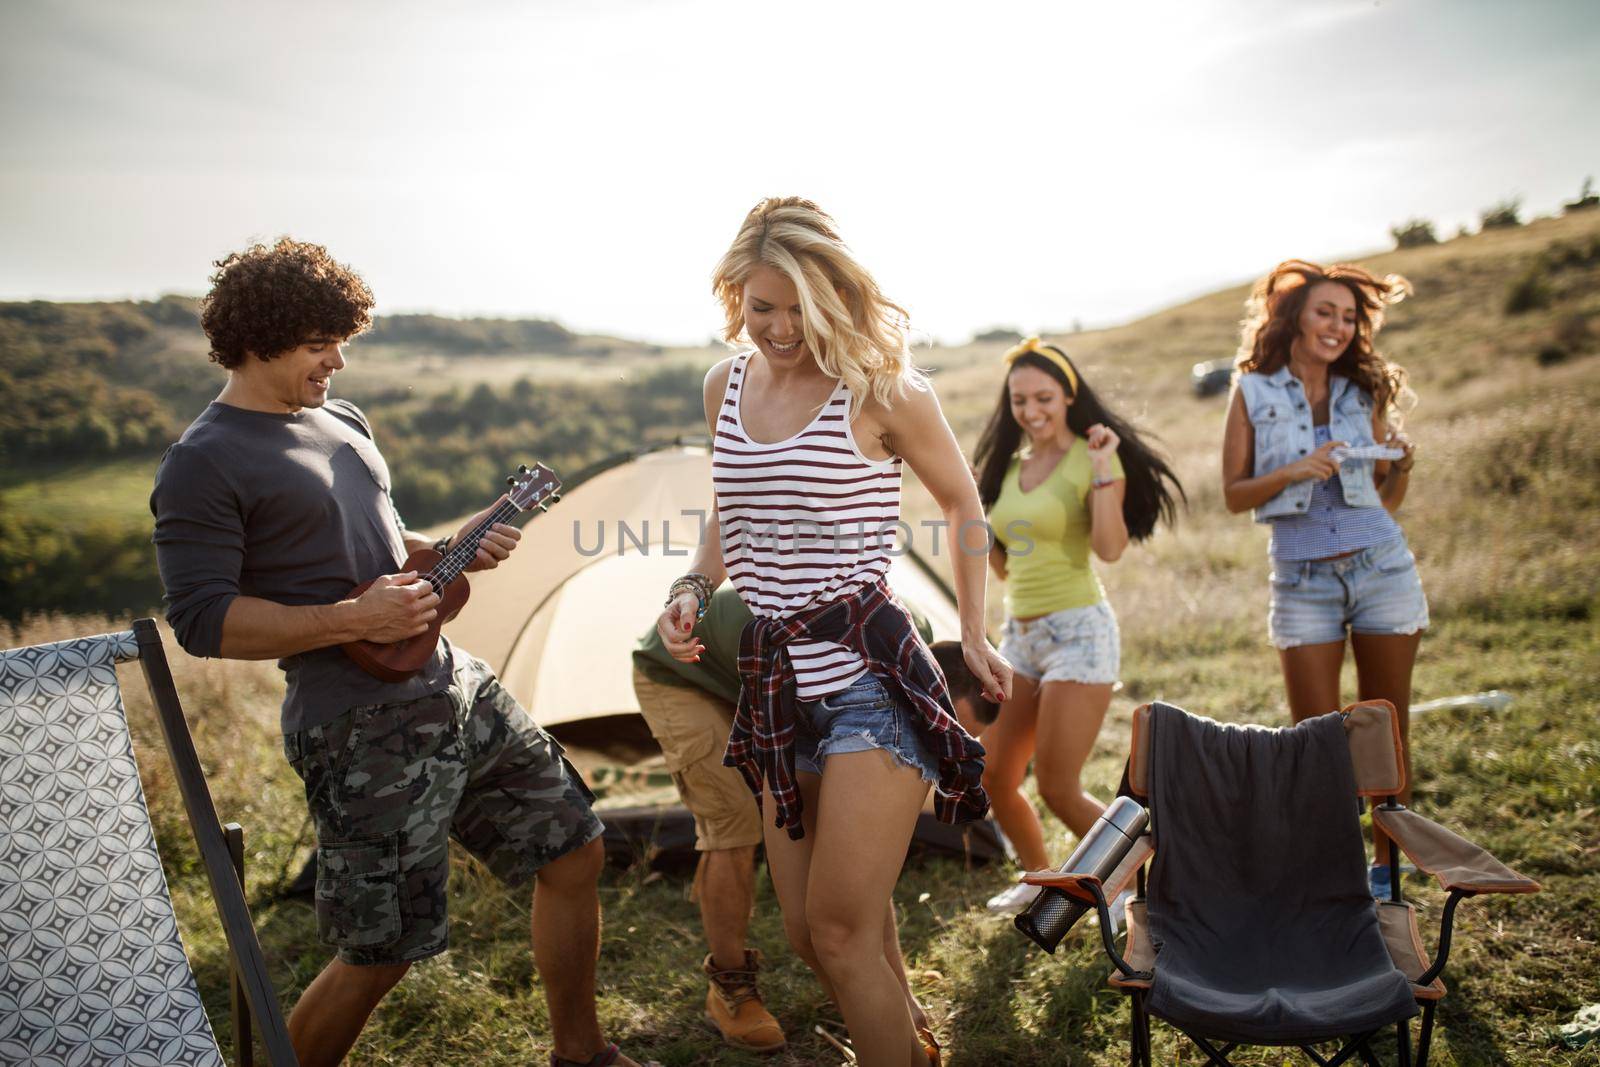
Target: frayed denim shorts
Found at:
1074, 645
863, 717
1374, 591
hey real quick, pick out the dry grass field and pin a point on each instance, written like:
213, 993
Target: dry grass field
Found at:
1503, 515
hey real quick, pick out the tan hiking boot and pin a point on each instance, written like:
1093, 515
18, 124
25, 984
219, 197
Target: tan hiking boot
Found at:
733, 1006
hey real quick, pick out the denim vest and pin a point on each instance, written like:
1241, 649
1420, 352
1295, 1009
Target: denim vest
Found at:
1281, 417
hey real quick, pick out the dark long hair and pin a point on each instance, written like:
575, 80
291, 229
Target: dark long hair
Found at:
1153, 490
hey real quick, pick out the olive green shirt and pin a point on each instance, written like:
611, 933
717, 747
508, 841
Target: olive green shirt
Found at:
1045, 532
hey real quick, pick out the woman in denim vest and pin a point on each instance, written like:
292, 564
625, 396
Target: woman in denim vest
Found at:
1313, 399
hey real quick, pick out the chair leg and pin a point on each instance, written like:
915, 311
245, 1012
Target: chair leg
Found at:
1402, 1043
1425, 1037
244, 1043
1139, 1026
1138, 1030
1214, 1055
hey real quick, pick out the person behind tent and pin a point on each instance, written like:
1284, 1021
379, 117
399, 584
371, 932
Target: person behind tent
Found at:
843, 718
1311, 394
1060, 475
689, 706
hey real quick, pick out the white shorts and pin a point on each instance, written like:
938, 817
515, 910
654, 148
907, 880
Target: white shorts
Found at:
1075, 645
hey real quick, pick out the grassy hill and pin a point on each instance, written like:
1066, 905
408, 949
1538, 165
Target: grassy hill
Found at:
1502, 514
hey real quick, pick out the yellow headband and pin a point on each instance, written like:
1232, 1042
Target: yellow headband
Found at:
1032, 346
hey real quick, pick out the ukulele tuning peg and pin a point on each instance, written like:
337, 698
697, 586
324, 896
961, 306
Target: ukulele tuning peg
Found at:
511, 481
522, 468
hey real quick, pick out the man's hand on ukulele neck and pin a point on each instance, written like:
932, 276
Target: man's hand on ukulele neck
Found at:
496, 545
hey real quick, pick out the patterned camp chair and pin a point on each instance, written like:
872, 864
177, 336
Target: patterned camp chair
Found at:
92, 970
1376, 759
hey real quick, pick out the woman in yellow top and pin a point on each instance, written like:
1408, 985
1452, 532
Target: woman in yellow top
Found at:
1058, 475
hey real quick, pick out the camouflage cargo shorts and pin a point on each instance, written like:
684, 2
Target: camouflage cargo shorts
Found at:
388, 786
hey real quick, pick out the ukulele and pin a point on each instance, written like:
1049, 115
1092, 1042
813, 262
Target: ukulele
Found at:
399, 660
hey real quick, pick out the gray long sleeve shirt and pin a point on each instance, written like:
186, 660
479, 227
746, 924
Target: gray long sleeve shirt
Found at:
292, 508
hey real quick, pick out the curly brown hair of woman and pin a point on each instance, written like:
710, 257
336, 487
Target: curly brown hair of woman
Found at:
1272, 321
266, 301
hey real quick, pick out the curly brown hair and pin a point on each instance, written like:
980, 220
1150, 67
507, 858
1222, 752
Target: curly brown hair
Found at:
1272, 319
267, 301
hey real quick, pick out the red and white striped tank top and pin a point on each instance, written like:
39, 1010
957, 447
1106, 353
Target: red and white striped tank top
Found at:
804, 521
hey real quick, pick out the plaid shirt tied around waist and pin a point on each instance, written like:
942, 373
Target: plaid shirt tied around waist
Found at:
872, 624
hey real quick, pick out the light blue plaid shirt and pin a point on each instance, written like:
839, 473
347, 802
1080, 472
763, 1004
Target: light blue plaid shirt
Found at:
1329, 526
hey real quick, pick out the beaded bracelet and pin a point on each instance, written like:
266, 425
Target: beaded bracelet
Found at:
693, 582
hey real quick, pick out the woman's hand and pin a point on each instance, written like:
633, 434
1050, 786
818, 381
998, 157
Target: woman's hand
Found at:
676, 627
1320, 465
990, 668
1406, 445
1102, 441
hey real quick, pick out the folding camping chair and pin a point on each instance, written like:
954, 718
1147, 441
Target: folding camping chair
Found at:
1115, 853
92, 969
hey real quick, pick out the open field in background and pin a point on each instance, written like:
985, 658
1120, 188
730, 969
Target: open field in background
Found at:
1503, 515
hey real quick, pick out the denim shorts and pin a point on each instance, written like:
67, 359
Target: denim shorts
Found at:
863, 717
1373, 591
1075, 645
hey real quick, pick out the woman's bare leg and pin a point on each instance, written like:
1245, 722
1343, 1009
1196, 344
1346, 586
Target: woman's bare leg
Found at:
1009, 742
865, 818
1383, 672
1311, 676
891, 949
1070, 716
789, 863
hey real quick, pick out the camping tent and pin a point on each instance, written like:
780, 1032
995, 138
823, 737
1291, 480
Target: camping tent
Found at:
559, 619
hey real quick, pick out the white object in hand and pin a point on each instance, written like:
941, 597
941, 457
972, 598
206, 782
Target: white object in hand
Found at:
1388, 452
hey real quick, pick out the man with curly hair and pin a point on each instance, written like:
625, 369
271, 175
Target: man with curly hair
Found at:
273, 505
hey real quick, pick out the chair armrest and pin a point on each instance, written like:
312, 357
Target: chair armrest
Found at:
1457, 863
1073, 885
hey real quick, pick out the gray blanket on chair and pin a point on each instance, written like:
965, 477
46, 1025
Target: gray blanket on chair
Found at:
1264, 927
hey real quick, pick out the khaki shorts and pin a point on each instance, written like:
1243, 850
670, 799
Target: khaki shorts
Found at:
692, 726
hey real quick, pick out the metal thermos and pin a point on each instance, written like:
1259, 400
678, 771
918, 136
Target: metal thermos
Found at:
1052, 913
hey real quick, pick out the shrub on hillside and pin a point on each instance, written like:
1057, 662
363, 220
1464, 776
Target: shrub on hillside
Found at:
1504, 215
1004, 334
1586, 199
1572, 338
1572, 332
1413, 233
1530, 290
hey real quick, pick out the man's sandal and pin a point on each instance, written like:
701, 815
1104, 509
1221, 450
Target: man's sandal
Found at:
604, 1058
930, 1045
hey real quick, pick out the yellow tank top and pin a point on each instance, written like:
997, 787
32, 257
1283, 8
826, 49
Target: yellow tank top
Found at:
1045, 532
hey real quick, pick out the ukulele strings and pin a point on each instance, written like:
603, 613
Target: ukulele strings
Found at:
455, 561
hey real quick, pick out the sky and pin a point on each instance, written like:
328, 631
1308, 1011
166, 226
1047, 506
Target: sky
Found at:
1021, 164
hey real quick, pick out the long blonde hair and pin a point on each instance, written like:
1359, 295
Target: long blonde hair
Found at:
856, 333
